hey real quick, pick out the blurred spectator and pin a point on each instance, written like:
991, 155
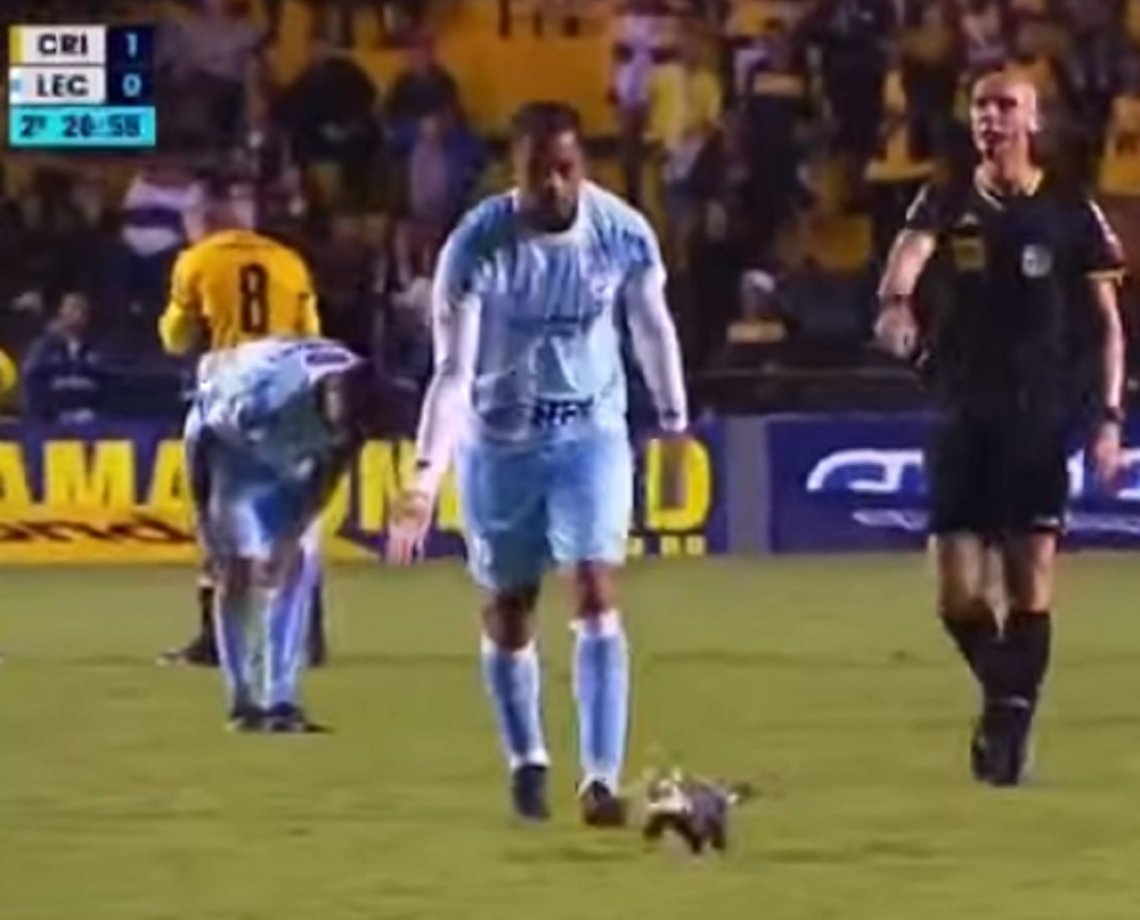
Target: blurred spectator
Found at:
158, 204
761, 320
16, 278
404, 351
439, 178
1031, 60
775, 104
330, 114
61, 377
1120, 165
424, 88
984, 25
59, 232
641, 37
1119, 180
897, 170
211, 64
852, 37
685, 103
724, 246
335, 20
931, 63
342, 264
1091, 72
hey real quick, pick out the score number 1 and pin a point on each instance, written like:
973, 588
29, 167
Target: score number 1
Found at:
130, 46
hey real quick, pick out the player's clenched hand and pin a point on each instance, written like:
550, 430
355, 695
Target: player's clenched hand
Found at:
897, 331
408, 527
1106, 453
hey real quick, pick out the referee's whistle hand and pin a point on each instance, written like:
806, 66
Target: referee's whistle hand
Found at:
1106, 452
896, 331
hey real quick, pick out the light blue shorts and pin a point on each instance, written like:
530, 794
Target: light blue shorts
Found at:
526, 508
246, 510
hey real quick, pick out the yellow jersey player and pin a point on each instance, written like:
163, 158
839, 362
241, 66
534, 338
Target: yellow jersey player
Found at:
235, 285
231, 286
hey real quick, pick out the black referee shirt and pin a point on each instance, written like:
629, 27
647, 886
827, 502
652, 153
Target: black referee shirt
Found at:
1009, 278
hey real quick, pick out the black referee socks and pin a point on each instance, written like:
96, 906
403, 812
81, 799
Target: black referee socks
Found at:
975, 636
1026, 645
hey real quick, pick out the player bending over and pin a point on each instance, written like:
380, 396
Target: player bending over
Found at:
271, 431
529, 297
1021, 258
232, 286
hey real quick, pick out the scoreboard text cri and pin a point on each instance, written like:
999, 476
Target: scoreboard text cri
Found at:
83, 86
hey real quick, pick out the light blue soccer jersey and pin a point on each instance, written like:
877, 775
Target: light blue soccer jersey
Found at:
259, 398
549, 362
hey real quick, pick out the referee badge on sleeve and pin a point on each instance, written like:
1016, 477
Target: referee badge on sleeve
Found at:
1036, 261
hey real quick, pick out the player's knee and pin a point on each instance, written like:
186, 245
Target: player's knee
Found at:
961, 598
593, 589
508, 617
283, 567
235, 579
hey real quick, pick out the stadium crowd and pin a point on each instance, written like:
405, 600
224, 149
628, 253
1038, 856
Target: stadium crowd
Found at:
746, 129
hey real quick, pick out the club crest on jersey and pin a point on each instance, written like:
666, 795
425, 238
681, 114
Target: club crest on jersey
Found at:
1036, 261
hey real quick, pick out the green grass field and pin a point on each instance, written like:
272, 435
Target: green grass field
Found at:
826, 682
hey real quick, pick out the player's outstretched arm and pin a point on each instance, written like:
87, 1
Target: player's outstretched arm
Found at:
455, 336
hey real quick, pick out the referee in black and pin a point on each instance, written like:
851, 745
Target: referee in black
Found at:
1021, 259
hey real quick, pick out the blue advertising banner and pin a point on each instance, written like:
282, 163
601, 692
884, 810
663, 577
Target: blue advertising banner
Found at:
842, 483
118, 493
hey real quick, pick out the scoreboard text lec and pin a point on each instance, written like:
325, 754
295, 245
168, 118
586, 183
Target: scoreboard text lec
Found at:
76, 87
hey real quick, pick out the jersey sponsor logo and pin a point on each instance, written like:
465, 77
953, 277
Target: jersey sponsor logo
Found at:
1036, 261
554, 413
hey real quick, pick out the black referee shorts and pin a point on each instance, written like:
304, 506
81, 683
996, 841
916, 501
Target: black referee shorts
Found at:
997, 477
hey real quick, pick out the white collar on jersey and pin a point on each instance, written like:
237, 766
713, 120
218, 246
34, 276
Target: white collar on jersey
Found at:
571, 234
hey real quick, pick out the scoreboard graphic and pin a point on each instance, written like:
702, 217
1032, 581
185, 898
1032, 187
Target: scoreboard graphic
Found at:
81, 87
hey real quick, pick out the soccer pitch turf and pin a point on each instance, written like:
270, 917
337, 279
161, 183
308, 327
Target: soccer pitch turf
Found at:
826, 682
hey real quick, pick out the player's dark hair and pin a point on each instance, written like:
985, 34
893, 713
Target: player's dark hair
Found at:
541, 121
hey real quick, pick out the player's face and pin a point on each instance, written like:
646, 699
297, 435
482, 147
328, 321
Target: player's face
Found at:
549, 175
1003, 116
